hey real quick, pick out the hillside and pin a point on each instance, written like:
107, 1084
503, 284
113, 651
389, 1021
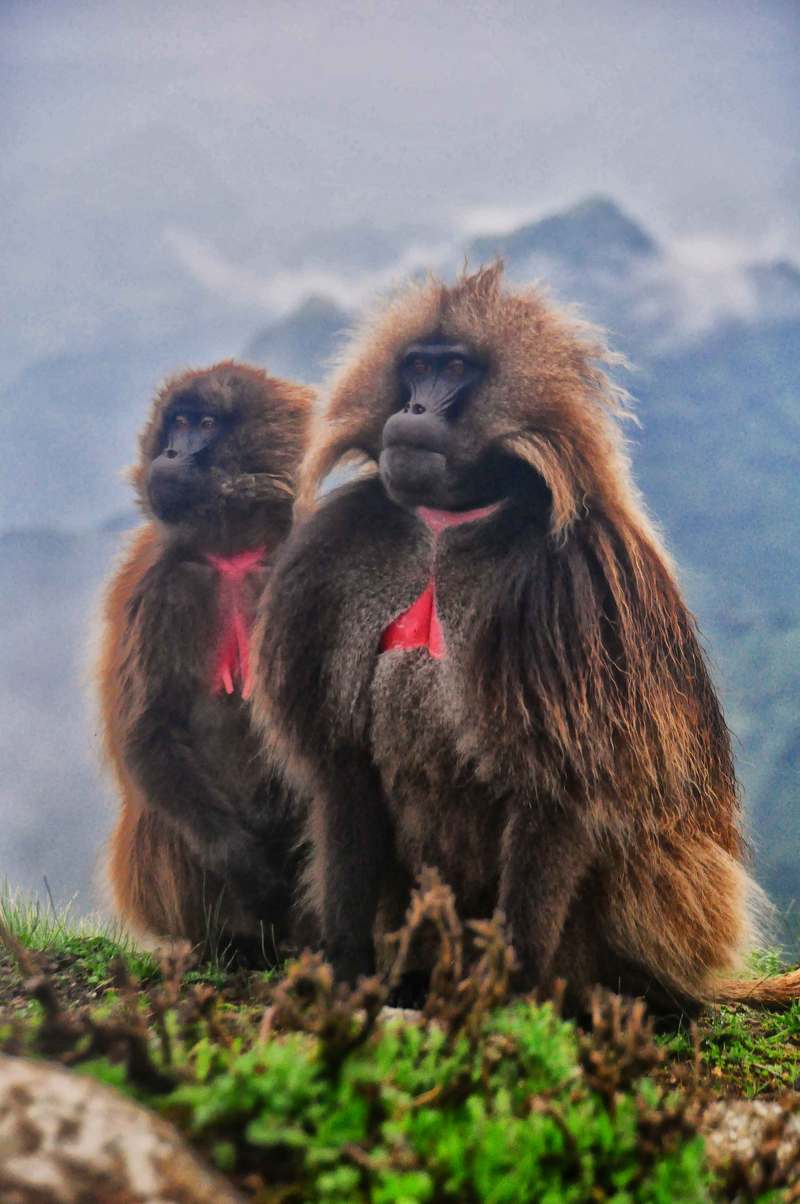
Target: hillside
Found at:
296, 1090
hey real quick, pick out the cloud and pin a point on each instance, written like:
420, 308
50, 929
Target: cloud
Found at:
321, 115
695, 282
282, 291
710, 279
495, 220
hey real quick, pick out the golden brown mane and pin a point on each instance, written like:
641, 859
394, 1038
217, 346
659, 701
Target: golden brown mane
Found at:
609, 683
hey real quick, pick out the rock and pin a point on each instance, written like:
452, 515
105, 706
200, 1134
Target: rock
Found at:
66, 1139
407, 1015
755, 1143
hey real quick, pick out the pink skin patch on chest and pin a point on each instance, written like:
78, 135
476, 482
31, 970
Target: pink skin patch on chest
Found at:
232, 660
419, 626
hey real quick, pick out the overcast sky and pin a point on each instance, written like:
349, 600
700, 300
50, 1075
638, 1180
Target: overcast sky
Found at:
330, 112
158, 156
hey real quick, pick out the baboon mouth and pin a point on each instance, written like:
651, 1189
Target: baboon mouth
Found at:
412, 473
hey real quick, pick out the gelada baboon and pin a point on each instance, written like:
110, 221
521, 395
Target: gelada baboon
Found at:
477, 658
207, 837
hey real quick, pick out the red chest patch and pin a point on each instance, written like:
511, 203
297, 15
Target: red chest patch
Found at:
232, 659
419, 626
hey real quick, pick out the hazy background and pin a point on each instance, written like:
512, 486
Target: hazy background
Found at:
185, 181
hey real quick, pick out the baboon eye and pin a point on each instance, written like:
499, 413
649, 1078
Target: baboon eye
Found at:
456, 367
207, 422
419, 366
181, 420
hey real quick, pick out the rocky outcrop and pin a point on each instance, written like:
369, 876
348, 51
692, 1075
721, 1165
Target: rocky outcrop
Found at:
754, 1144
66, 1139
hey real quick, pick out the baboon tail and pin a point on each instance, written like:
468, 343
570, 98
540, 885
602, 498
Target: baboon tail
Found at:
776, 992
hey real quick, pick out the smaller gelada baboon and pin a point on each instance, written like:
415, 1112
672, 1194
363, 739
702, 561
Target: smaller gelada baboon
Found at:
207, 842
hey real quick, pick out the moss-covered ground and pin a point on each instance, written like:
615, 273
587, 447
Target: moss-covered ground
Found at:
304, 1092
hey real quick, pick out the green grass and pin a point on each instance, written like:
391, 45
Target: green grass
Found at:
92, 943
320, 1097
746, 1052
412, 1115
334, 1105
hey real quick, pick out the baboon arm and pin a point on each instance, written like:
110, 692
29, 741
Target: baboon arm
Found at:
166, 768
353, 840
159, 679
546, 855
161, 759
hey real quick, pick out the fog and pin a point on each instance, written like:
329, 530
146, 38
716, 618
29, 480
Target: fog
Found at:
252, 127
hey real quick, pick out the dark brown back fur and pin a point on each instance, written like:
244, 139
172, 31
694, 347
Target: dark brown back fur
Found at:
575, 693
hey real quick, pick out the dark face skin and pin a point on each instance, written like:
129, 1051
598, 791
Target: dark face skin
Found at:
178, 476
427, 457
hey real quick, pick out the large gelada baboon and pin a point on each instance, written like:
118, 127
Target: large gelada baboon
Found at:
476, 657
207, 839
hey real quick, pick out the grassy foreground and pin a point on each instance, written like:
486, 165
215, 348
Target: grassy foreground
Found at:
302, 1092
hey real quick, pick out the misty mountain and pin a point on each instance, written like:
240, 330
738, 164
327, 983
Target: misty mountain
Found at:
355, 247
776, 287
302, 344
594, 236
716, 374
718, 457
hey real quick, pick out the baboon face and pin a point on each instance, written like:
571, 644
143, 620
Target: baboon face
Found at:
177, 479
430, 455
222, 443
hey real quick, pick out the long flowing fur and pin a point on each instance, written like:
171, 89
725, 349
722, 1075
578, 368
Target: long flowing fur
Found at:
593, 680
147, 664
